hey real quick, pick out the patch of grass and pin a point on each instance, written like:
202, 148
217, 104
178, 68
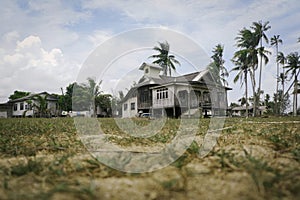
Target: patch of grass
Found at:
48, 153
32, 165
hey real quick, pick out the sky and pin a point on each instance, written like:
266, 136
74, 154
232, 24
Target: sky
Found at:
45, 44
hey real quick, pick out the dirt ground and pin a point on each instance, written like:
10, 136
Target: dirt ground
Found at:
255, 158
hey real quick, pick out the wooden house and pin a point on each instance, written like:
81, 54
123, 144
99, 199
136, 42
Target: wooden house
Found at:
187, 95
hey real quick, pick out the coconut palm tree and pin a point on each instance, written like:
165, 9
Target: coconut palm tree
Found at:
241, 60
293, 66
248, 41
275, 41
164, 59
259, 29
41, 105
217, 67
281, 59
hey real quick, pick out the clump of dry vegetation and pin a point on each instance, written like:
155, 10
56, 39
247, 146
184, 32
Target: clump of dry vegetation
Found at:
258, 158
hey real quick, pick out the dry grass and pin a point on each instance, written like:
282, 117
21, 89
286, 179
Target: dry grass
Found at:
253, 159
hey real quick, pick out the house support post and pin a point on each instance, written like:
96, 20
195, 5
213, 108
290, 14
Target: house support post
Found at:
189, 102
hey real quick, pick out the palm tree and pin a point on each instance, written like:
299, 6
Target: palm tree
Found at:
275, 40
293, 66
248, 41
259, 30
41, 105
281, 59
217, 67
241, 60
92, 90
282, 79
164, 59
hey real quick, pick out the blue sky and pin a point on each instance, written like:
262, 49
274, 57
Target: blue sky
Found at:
43, 44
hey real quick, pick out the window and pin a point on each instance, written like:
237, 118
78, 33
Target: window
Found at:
132, 106
15, 107
22, 106
162, 93
26, 107
125, 106
146, 71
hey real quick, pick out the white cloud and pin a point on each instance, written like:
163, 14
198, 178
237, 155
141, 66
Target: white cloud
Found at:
33, 68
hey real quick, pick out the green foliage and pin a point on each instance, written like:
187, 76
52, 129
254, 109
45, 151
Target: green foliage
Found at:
164, 58
18, 94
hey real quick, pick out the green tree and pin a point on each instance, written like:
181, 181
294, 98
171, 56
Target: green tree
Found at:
18, 94
41, 105
217, 67
259, 29
247, 41
164, 59
84, 94
65, 100
283, 100
104, 102
275, 41
241, 61
281, 59
293, 67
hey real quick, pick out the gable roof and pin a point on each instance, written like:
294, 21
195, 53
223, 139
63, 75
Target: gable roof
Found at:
163, 80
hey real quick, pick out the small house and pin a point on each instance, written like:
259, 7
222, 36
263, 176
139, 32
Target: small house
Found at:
35, 105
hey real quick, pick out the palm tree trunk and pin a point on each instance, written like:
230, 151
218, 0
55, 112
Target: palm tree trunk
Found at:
295, 95
282, 98
260, 71
246, 93
254, 93
276, 101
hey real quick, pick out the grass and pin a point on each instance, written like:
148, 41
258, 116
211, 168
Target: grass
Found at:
45, 159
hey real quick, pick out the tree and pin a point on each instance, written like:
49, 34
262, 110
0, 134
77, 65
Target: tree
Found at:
259, 29
41, 105
283, 100
241, 60
164, 59
281, 59
217, 67
18, 94
104, 102
247, 41
84, 94
293, 67
275, 40
65, 100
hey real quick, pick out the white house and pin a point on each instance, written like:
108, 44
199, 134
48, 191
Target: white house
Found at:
28, 105
184, 95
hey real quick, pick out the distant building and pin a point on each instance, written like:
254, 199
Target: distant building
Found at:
240, 111
5, 110
28, 106
191, 94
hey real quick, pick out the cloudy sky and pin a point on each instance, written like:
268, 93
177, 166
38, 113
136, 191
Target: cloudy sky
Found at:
43, 44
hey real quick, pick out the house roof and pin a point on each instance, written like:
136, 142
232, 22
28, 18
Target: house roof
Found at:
30, 96
195, 77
